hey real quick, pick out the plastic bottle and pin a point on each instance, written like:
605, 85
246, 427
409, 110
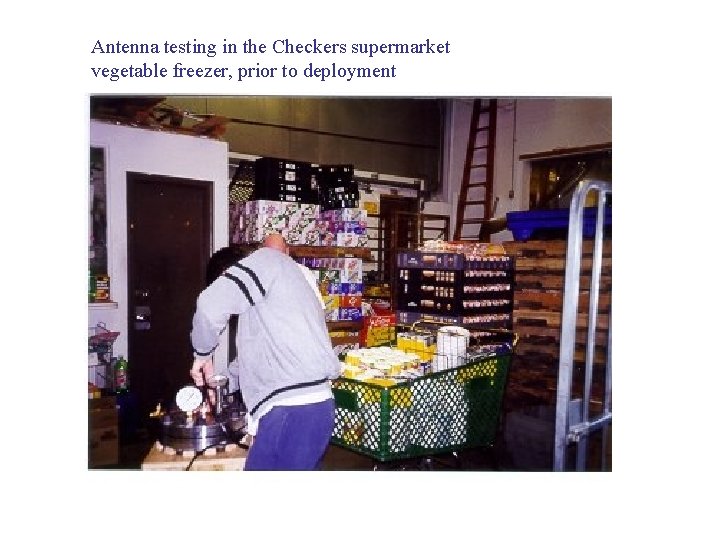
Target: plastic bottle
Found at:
121, 376
91, 287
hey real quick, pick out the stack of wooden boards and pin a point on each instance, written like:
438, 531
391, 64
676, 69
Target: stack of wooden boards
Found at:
537, 319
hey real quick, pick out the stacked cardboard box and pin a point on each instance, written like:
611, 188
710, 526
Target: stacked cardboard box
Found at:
341, 285
378, 330
300, 224
252, 221
345, 227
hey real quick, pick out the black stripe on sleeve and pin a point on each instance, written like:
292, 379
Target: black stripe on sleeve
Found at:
241, 285
253, 275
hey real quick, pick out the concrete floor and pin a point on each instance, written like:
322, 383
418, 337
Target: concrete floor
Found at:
341, 459
524, 443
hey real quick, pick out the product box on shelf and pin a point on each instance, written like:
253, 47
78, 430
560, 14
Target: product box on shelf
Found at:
378, 330
350, 314
262, 206
309, 237
358, 215
102, 288
331, 275
334, 288
348, 264
340, 283
348, 239
332, 301
303, 210
253, 220
328, 239
351, 288
357, 227
351, 276
350, 301
256, 228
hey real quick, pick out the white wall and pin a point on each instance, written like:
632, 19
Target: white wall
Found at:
540, 125
152, 152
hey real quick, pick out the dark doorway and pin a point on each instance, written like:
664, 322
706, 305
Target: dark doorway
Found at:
169, 242
398, 230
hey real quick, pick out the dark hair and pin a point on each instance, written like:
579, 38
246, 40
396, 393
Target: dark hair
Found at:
222, 259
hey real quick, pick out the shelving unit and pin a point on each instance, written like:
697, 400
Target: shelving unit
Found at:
454, 288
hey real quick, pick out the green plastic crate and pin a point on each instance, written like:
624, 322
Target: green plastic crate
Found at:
441, 412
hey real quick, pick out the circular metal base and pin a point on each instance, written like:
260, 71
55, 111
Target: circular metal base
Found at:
182, 432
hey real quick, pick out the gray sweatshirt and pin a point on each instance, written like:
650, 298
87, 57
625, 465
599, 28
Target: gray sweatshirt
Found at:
283, 344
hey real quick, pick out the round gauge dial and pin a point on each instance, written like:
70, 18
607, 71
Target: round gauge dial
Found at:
188, 398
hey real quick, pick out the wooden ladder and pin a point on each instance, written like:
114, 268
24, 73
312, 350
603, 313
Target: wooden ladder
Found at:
476, 191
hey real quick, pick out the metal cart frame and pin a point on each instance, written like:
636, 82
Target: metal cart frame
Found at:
573, 421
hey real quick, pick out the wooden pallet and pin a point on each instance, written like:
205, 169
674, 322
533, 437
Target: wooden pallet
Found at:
553, 319
529, 332
546, 281
550, 248
553, 300
537, 320
160, 458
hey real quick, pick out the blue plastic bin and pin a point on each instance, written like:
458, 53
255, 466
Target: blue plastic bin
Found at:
529, 224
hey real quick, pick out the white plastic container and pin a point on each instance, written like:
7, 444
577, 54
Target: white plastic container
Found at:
452, 345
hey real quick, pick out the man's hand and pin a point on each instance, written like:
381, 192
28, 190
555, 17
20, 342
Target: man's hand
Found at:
202, 370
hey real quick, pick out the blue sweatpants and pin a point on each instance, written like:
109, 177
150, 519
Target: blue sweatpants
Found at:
292, 438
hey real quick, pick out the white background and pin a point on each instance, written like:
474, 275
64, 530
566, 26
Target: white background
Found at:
658, 65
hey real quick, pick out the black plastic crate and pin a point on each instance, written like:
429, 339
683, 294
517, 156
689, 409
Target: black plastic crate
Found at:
329, 176
285, 180
242, 185
281, 171
337, 186
334, 200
